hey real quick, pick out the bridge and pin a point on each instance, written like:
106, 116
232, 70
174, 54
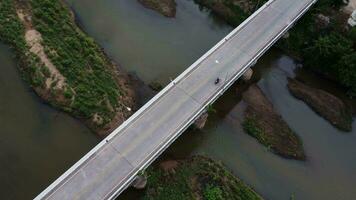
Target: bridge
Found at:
111, 166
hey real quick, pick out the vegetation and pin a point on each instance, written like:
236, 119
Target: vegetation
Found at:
11, 29
196, 178
251, 127
210, 109
212, 193
329, 50
91, 88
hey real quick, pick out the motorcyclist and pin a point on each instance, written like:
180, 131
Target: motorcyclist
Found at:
217, 81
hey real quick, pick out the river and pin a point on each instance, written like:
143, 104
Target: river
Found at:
158, 49
37, 143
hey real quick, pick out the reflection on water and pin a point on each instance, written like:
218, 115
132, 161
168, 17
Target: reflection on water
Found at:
37, 143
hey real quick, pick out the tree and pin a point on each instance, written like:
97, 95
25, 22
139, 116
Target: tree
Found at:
325, 52
346, 68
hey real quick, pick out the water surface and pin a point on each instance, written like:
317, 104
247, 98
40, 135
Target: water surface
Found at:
142, 41
37, 143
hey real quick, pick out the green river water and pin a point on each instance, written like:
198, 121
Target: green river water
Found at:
38, 143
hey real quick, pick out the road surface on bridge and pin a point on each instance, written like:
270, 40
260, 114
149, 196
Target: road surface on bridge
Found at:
113, 164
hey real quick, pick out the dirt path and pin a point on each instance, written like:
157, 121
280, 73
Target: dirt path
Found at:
34, 41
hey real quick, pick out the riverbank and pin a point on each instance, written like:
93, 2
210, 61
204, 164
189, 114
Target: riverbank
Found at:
325, 104
65, 67
197, 177
268, 127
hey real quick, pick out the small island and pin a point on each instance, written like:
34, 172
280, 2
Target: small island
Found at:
65, 67
268, 127
197, 177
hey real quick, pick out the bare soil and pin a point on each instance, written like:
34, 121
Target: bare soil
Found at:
34, 41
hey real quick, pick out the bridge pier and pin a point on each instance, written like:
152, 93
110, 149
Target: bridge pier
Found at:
140, 182
201, 121
286, 35
253, 63
247, 75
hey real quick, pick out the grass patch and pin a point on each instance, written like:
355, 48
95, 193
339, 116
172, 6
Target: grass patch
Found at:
252, 128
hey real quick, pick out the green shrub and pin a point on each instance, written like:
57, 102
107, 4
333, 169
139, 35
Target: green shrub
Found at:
352, 34
325, 52
251, 127
346, 69
212, 193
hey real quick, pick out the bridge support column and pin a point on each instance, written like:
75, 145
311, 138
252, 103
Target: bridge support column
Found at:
286, 35
247, 75
200, 122
140, 182
253, 63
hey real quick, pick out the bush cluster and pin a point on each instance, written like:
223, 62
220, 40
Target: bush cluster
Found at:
327, 50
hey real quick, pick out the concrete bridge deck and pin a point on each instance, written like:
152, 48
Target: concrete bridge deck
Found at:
113, 164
